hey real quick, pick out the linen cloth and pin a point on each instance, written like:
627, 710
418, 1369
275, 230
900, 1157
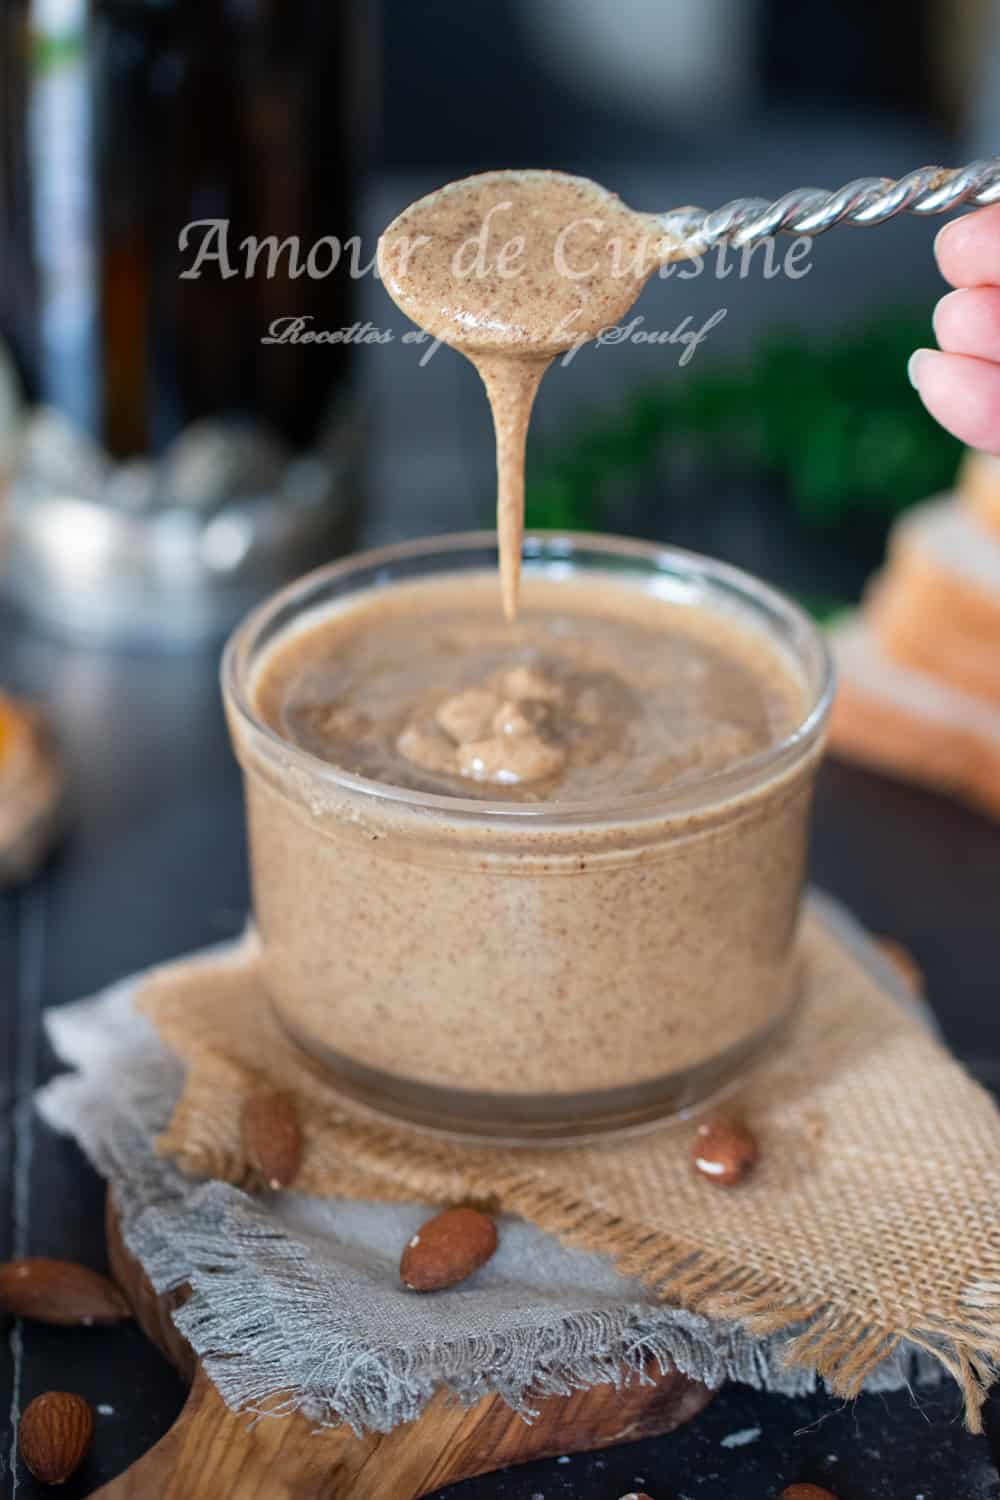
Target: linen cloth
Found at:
864, 1251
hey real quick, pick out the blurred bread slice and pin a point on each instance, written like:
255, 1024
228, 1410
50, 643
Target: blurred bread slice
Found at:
904, 721
979, 487
910, 632
947, 565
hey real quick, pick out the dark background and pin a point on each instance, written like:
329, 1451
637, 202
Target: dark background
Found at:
153, 862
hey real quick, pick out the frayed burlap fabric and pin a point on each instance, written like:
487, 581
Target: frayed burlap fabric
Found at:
870, 1223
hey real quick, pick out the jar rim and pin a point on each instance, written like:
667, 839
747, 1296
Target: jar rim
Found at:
551, 548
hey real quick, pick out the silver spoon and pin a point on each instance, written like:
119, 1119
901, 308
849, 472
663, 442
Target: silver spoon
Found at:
809, 211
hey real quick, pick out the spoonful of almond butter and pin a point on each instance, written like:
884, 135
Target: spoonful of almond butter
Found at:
512, 269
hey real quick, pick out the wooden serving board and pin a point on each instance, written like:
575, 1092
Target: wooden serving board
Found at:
212, 1453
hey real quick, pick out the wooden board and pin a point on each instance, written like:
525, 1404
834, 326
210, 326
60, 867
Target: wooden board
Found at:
212, 1453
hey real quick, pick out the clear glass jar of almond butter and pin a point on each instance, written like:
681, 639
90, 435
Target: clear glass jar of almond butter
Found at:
534, 970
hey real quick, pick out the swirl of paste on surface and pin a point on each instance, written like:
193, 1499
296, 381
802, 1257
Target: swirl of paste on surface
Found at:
502, 735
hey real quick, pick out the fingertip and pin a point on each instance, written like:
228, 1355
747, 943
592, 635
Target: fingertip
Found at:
941, 238
963, 394
967, 321
913, 367
967, 249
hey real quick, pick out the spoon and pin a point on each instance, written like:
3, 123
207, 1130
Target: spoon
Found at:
447, 261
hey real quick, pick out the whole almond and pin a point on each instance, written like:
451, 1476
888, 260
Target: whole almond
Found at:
806, 1492
59, 1291
447, 1249
272, 1137
723, 1150
55, 1433
904, 963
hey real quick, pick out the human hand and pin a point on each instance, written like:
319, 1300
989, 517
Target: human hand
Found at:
960, 382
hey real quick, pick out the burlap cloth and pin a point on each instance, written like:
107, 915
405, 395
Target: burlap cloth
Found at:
870, 1222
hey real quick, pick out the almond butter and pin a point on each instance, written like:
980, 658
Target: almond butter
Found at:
447, 1249
272, 1137
806, 1492
59, 1291
723, 1150
55, 1433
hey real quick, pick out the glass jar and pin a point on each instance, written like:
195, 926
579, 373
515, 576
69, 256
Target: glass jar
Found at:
530, 971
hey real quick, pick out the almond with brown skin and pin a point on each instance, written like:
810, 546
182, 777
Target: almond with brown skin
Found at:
59, 1291
723, 1150
55, 1434
806, 1492
904, 963
447, 1249
272, 1137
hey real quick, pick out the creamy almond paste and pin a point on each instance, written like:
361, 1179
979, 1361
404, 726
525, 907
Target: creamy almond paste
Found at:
597, 692
513, 268
577, 959
537, 871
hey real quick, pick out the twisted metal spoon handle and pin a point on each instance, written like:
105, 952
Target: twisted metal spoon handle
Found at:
867, 200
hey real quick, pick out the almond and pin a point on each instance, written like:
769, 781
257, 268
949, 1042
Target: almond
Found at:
272, 1137
904, 963
723, 1150
806, 1492
55, 1433
59, 1291
447, 1249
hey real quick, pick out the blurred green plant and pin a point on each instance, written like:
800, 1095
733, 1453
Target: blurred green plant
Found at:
838, 422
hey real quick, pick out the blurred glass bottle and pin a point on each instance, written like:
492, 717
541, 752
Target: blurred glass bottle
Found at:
172, 465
